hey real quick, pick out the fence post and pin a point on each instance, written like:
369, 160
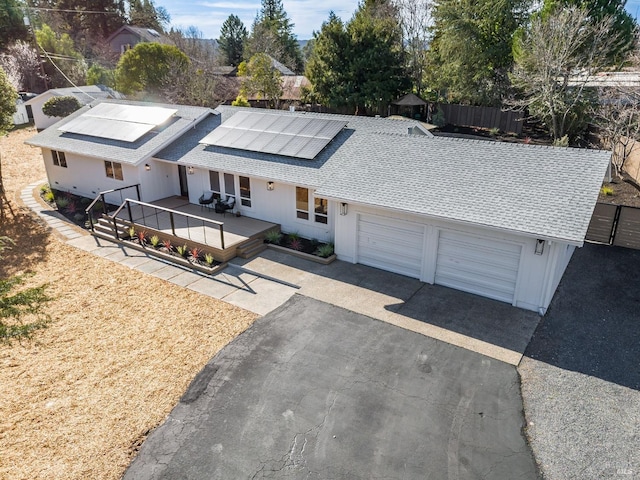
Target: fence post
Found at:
173, 226
104, 203
138, 191
221, 236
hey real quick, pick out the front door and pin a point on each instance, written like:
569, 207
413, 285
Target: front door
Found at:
182, 175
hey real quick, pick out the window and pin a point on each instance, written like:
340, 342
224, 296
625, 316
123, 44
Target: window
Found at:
321, 210
229, 185
113, 170
214, 183
245, 191
59, 159
302, 203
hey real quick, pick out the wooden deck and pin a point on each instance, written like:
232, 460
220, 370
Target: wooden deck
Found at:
237, 231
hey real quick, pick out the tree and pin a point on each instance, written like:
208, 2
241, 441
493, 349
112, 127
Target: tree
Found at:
329, 64
12, 27
261, 79
555, 58
361, 64
60, 106
623, 25
22, 64
272, 33
471, 52
88, 28
99, 75
8, 96
146, 65
190, 84
617, 116
64, 65
415, 16
144, 13
233, 34
240, 101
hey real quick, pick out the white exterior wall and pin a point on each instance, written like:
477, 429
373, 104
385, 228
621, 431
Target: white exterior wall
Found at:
40, 120
87, 177
277, 205
161, 181
538, 275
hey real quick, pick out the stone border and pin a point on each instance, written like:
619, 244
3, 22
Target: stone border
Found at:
306, 256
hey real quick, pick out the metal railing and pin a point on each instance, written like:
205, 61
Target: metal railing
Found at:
100, 198
162, 214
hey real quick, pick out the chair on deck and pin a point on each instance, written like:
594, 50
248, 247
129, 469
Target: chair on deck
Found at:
206, 200
223, 205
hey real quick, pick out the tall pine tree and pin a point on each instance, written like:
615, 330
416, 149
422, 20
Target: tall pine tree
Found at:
272, 33
233, 34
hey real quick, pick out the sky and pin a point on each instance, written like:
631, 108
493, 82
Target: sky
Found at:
209, 15
307, 15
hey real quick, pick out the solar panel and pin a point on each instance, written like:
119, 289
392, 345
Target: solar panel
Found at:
280, 134
107, 128
118, 122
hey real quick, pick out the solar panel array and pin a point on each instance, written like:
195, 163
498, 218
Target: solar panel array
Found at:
118, 122
288, 135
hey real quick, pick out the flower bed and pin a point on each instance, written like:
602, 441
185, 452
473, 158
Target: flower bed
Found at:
184, 253
311, 249
70, 205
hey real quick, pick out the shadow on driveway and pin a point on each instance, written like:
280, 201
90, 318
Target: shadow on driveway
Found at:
593, 323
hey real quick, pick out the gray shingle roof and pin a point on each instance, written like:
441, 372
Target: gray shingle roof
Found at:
541, 191
119, 151
84, 94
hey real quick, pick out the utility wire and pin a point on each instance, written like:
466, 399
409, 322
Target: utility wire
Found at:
63, 74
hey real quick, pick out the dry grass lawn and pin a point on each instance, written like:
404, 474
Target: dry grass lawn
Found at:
77, 400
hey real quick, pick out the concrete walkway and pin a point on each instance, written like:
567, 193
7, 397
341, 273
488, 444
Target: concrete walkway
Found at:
263, 283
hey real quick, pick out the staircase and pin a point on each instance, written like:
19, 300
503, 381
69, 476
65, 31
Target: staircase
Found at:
251, 247
104, 228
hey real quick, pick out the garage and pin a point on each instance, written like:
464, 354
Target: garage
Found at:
390, 244
484, 266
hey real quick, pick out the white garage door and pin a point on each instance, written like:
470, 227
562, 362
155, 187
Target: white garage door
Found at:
390, 244
478, 265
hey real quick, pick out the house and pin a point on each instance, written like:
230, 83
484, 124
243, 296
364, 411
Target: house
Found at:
84, 94
127, 37
499, 220
21, 116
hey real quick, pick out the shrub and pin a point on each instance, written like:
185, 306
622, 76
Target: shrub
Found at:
607, 191
294, 236
155, 241
60, 106
325, 250
62, 202
208, 258
142, 235
78, 217
273, 236
44, 189
49, 197
494, 131
166, 244
295, 244
195, 253
182, 250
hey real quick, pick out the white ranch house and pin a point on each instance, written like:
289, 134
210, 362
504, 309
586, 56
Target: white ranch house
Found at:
499, 220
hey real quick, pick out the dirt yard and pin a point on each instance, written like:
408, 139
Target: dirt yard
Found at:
78, 399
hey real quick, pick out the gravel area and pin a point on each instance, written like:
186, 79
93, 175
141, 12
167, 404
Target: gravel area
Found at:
78, 400
581, 374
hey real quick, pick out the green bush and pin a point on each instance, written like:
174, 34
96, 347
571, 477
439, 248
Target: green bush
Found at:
325, 250
273, 236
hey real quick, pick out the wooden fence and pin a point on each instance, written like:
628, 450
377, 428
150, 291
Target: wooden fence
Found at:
615, 225
484, 117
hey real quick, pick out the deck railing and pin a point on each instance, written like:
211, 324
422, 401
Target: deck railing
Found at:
148, 213
101, 200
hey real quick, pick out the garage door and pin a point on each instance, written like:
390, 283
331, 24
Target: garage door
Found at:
390, 244
478, 265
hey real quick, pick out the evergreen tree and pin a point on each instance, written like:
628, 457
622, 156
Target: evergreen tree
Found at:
360, 64
471, 51
61, 53
233, 34
144, 13
272, 33
12, 27
146, 66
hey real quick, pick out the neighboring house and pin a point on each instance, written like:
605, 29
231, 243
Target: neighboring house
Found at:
483, 217
127, 37
85, 95
281, 67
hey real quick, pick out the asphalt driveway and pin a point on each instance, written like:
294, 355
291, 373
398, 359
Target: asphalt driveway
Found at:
315, 391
